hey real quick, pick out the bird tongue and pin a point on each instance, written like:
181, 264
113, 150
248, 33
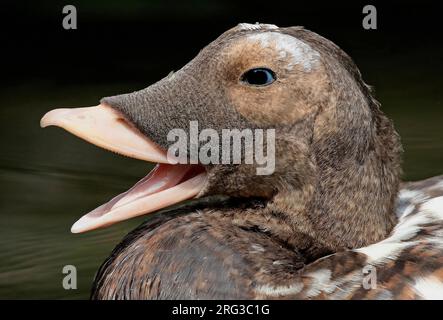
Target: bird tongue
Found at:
165, 185
162, 177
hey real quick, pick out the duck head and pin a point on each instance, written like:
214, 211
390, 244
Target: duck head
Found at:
337, 157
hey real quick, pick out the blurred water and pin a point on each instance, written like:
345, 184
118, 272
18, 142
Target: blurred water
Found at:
49, 178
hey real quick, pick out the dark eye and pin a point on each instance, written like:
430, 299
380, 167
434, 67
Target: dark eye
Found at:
258, 76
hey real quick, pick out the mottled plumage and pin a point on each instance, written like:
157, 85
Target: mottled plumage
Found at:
207, 258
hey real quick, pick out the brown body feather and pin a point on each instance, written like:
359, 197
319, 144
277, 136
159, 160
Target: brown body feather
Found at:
193, 254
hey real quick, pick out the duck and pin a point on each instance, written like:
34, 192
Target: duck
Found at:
332, 220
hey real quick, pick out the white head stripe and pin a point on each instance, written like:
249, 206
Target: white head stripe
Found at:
299, 52
257, 26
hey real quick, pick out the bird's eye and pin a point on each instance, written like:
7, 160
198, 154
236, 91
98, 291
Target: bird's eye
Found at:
258, 77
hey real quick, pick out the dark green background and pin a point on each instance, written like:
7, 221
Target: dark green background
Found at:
49, 178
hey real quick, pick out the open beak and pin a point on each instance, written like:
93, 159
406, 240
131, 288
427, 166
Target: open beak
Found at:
165, 185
